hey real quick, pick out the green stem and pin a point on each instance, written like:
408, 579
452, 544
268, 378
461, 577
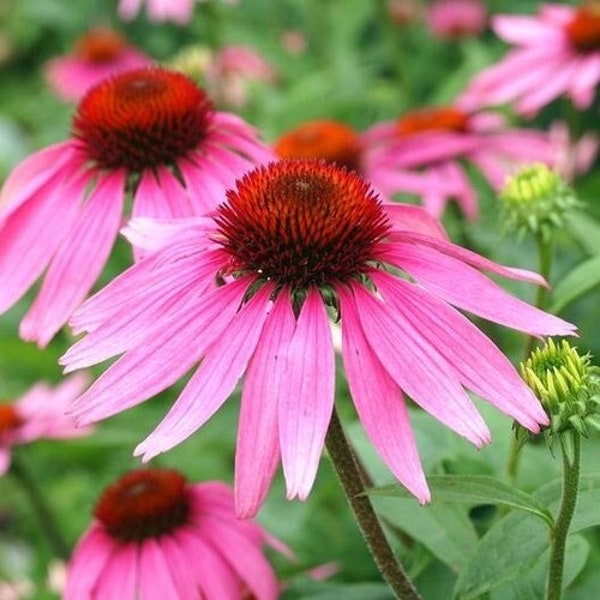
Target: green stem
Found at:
352, 481
563, 521
40, 507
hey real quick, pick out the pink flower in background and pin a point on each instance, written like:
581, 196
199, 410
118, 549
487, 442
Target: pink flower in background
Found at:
435, 142
251, 289
156, 536
232, 69
177, 11
39, 414
451, 19
557, 52
96, 55
151, 131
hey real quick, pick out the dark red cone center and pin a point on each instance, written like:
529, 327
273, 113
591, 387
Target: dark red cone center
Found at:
100, 46
142, 118
144, 504
301, 223
584, 30
433, 119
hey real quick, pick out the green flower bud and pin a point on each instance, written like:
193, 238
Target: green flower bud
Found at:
192, 61
535, 200
568, 386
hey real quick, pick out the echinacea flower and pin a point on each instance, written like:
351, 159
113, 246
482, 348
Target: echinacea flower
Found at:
39, 414
154, 535
436, 141
251, 290
557, 52
150, 130
96, 55
451, 19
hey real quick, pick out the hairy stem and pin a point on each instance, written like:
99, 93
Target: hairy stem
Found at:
352, 481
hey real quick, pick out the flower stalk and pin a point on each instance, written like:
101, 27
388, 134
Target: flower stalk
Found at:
42, 510
349, 474
571, 467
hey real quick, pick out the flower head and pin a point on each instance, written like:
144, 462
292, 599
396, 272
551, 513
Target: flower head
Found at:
150, 131
39, 414
251, 290
568, 386
156, 535
536, 199
557, 52
96, 55
450, 19
434, 143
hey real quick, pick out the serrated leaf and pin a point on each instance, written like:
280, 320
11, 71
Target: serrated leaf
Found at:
580, 280
474, 489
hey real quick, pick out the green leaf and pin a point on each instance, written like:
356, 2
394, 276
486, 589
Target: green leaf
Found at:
580, 280
445, 530
585, 230
512, 547
474, 489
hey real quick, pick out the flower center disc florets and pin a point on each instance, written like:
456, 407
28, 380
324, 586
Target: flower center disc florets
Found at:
10, 419
584, 30
144, 504
142, 118
100, 46
301, 223
433, 119
329, 140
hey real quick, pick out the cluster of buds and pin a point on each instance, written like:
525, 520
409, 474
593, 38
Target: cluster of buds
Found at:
568, 386
536, 200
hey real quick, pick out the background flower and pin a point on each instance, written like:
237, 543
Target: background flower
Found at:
40, 413
156, 536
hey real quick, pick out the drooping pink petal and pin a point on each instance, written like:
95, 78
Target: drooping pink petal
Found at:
214, 380
248, 559
379, 404
120, 576
222, 582
417, 368
168, 289
305, 412
406, 217
266, 384
525, 30
161, 196
480, 365
206, 192
89, 560
5, 460
469, 257
30, 236
29, 176
156, 582
465, 287
78, 261
163, 358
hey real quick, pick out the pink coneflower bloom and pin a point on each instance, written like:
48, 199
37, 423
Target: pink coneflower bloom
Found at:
39, 414
435, 142
558, 52
150, 130
451, 19
156, 536
252, 289
232, 69
97, 55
